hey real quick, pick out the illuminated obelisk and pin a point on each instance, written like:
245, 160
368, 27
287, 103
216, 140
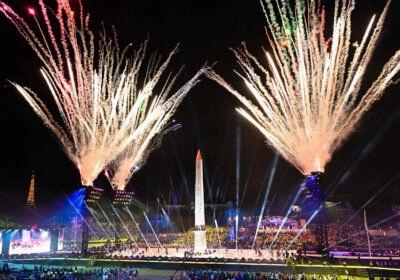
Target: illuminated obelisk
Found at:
200, 244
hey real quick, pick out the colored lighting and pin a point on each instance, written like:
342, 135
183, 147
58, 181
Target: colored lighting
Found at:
123, 198
93, 194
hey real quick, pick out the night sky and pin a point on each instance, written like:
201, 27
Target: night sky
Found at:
205, 29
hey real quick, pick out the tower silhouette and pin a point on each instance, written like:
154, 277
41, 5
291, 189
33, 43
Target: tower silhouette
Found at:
30, 202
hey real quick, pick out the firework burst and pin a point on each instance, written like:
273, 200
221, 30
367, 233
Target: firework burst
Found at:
152, 111
93, 83
308, 98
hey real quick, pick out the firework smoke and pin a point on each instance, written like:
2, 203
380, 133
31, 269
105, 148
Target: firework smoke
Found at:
308, 100
93, 85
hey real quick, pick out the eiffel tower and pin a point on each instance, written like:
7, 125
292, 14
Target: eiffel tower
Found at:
30, 202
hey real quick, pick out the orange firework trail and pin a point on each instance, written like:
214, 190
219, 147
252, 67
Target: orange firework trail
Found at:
308, 99
95, 88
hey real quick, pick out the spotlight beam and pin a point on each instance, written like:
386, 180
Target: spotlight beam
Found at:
286, 217
372, 198
220, 160
238, 144
126, 228
263, 183
321, 206
83, 219
249, 173
100, 225
167, 218
137, 226
360, 153
152, 229
180, 168
362, 231
108, 220
271, 178
219, 239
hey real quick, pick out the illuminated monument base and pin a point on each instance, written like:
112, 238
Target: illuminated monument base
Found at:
200, 243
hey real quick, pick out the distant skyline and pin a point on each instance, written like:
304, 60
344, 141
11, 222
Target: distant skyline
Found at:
366, 162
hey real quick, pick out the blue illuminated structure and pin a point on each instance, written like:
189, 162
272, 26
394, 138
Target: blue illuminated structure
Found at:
314, 191
91, 196
77, 198
313, 185
78, 201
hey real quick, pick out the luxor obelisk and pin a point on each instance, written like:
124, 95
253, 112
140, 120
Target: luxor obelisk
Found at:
200, 243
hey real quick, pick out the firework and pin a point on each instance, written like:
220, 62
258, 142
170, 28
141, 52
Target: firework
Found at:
152, 111
308, 98
92, 84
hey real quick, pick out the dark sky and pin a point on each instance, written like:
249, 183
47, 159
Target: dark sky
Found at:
205, 29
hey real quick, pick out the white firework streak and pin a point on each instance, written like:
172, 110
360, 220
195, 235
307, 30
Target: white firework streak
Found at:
152, 114
92, 84
308, 100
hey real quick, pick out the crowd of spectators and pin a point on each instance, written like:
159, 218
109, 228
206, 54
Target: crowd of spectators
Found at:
69, 273
346, 238
113, 273
204, 274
